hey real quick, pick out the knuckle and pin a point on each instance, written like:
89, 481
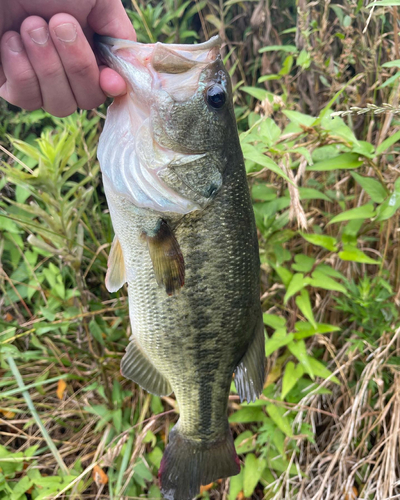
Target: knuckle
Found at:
80, 69
25, 78
52, 71
28, 102
32, 106
92, 103
61, 112
25, 92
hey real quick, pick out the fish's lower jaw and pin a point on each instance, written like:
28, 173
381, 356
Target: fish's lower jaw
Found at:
188, 464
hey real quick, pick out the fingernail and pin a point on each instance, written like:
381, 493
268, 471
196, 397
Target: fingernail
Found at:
39, 35
15, 44
66, 32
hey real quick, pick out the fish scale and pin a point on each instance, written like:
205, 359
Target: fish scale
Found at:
189, 335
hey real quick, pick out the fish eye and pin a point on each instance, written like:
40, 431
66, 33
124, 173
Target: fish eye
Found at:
216, 96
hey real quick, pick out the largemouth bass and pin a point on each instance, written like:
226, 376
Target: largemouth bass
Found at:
186, 244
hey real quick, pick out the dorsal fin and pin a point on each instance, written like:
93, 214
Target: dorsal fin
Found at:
116, 273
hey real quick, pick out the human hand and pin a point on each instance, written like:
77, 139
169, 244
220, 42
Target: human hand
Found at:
46, 55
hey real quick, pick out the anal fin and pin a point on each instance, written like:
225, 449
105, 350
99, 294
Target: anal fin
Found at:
249, 374
116, 273
167, 258
137, 367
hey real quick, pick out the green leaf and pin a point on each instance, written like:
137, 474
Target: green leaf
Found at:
245, 442
320, 370
312, 194
286, 66
281, 48
277, 415
387, 143
20, 488
274, 321
155, 457
253, 468
337, 128
304, 304
117, 419
252, 154
298, 349
300, 118
321, 280
329, 271
303, 263
390, 80
296, 284
280, 464
346, 21
263, 192
304, 59
284, 274
269, 131
6, 224
236, 485
96, 331
214, 20
392, 64
51, 485
278, 438
364, 212
364, 148
142, 471
306, 329
260, 94
279, 339
154, 493
248, 414
343, 161
372, 187
355, 255
290, 378
321, 240
389, 206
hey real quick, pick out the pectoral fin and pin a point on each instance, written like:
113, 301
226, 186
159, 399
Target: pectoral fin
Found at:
116, 274
167, 258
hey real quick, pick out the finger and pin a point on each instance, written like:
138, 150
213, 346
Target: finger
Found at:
78, 60
19, 83
3, 78
111, 82
57, 95
108, 17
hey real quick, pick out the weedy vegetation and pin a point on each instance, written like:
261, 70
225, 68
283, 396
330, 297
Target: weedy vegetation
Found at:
316, 95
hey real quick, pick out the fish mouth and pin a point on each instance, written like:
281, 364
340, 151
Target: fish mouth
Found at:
130, 58
203, 52
214, 41
173, 68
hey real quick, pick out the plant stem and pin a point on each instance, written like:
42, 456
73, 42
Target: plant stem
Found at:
35, 415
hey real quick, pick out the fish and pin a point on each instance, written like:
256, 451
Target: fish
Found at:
186, 245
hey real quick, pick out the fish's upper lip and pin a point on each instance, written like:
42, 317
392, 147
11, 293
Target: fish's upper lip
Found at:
119, 43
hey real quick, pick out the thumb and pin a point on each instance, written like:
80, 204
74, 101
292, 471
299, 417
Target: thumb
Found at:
111, 83
108, 17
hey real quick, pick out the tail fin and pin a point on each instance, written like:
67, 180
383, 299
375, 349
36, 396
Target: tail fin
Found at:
188, 464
